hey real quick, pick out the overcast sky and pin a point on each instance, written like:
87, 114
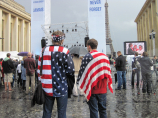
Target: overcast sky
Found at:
122, 14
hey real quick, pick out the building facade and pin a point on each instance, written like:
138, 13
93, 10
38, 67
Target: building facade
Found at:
147, 20
15, 27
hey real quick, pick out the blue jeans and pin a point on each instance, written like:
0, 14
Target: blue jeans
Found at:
121, 76
97, 103
61, 106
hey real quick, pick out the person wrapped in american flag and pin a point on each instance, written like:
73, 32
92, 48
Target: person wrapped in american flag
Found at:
57, 71
94, 74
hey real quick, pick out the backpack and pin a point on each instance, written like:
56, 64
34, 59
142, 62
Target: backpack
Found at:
137, 64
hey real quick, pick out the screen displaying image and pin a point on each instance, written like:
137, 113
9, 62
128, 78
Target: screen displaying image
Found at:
134, 46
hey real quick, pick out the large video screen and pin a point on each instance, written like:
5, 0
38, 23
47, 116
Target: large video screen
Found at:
134, 46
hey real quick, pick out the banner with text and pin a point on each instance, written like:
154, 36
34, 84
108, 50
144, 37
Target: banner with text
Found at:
40, 9
96, 23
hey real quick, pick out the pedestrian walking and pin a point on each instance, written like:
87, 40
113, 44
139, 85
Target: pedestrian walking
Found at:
135, 70
30, 66
23, 74
19, 74
93, 77
8, 66
146, 64
121, 70
58, 67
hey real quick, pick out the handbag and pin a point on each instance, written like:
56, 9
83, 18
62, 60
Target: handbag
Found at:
39, 96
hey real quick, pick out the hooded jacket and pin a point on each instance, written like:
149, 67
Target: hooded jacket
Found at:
145, 64
7, 65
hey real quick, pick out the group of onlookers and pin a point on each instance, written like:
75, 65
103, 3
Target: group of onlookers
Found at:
141, 64
22, 71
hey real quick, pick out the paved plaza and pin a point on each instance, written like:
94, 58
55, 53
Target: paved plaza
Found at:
121, 104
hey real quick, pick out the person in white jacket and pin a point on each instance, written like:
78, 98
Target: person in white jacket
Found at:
19, 74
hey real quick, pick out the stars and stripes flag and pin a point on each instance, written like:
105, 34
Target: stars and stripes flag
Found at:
95, 66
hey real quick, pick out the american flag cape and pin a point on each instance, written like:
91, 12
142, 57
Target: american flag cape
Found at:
95, 66
57, 62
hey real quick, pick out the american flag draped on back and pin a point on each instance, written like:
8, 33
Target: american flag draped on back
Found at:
95, 66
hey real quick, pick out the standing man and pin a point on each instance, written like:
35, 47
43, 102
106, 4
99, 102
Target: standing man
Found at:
121, 70
57, 70
8, 67
30, 65
135, 69
130, 51
146, 64
93, 77
154, 63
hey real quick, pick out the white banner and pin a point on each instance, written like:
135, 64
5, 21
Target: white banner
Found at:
40, 15
38, 10
96, 22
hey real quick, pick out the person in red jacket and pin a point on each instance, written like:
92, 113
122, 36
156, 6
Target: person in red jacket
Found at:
1, 72
93, 77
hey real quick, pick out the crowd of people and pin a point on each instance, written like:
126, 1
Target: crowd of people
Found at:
62, 74
12, 71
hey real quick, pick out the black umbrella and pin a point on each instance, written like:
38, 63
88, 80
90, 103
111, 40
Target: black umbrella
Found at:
81, 51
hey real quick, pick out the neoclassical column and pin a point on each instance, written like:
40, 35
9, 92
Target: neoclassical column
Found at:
156, 30
7, 32
139, 31
15, 34
1, 30
142, 30
140, 25
22, 36
147, 33
28, 39
145, 28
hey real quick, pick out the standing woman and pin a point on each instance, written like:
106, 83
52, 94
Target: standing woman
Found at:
77, 63
23, 73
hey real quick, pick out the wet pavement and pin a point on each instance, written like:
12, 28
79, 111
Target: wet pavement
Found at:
121, 104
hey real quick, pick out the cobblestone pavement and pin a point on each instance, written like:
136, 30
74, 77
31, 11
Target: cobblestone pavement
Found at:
121, 104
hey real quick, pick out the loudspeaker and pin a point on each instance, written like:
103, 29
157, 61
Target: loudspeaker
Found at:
114, 54
43, 43
86, 39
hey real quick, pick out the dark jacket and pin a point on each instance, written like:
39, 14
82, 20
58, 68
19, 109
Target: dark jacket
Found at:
7, 65
130, 51
120, 63
30, 65
145, 64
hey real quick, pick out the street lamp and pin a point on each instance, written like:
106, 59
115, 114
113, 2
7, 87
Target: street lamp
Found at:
152, 36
